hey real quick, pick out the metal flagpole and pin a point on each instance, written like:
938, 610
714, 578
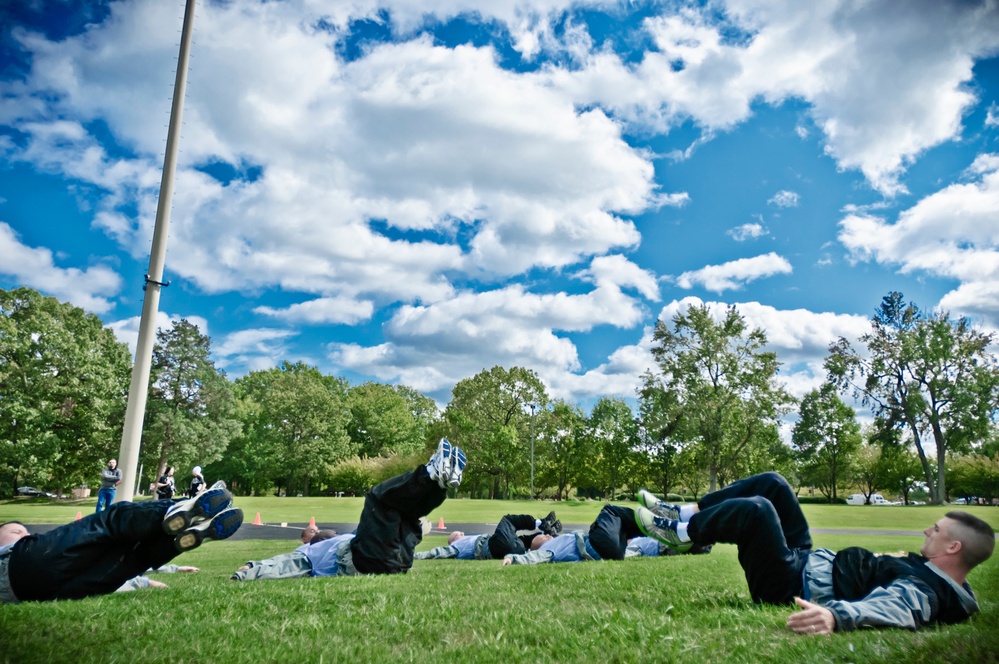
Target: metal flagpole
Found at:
131, 437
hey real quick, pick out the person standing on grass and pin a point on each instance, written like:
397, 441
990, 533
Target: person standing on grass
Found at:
99, 553
504, 539
198, 483
388, 530
834, 591
110, 479
607, 539
164, 487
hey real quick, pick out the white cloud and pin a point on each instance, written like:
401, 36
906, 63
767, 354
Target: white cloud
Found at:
127, 329
323, 310
992, 115
735, 274
89, 289
951, 233
784, 199
880, 96
748, 232
255, 349
801, 338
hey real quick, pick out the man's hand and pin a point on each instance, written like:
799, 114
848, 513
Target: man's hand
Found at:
157, 584
507, 560
187, 568
811, 619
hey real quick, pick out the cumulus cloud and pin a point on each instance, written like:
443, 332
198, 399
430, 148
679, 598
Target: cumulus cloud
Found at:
875, 115
127, 330
799, 337
89, 289
256, 349
748, 232
951, 233
733, 275
784, 199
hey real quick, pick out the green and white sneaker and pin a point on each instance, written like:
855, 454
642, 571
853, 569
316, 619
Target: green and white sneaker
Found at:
661, 529
223, 525
658, 507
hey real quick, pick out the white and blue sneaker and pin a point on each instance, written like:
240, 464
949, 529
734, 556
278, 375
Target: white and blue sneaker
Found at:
658, 507
186, 513
661, 529
447, 464
222, 525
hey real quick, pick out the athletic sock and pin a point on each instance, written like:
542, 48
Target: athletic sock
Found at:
687, 511
681, 531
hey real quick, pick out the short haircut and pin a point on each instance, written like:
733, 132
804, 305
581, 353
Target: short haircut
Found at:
978, 539
7, 523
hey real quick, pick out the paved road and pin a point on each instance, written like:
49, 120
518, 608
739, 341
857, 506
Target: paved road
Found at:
291, 531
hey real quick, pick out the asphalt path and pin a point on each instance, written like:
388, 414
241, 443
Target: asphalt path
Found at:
292, 531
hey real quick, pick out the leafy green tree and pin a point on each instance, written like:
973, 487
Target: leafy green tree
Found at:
298, 424
383, 421
719, 387
613, 430
63, 381
658, 423
489, 417
870, 470
974, 475
190, 413
929, 374
825, 437
562, 452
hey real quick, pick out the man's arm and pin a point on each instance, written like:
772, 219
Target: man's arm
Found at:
905, 603
529, 558
436, 553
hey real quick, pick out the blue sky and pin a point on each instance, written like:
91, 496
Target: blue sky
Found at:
410, 191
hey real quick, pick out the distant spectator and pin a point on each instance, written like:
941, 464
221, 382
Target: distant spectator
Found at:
110, 479
164, 487
198, 483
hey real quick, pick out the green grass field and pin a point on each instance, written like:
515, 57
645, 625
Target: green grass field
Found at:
689, 608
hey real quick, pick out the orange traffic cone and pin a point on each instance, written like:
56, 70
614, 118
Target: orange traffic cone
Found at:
312, 522
79, 515
440, 526
257, 521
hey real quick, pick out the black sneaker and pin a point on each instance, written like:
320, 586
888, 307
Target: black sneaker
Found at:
223, 525
551, 525
186, 513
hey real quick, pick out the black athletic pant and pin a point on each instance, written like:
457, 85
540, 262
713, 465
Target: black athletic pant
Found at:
92, 556
505, 540
389, 529
610, 533
761, 515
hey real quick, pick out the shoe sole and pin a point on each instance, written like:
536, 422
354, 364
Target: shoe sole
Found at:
224, 525
456, 460
206, 506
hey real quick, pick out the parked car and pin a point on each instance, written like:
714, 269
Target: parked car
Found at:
876, 499
32, 491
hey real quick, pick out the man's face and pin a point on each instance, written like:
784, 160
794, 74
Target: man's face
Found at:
12, 532
112, 463
309, 533
937, 539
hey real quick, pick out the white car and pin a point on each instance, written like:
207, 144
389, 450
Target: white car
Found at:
876, 499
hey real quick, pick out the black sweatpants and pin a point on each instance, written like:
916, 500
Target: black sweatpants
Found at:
761, 515
610, 532
92, 556
389, 527
505, 540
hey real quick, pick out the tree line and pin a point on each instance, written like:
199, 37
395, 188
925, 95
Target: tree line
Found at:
708, 411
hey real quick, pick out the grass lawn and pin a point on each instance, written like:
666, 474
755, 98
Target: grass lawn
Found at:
689, 608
